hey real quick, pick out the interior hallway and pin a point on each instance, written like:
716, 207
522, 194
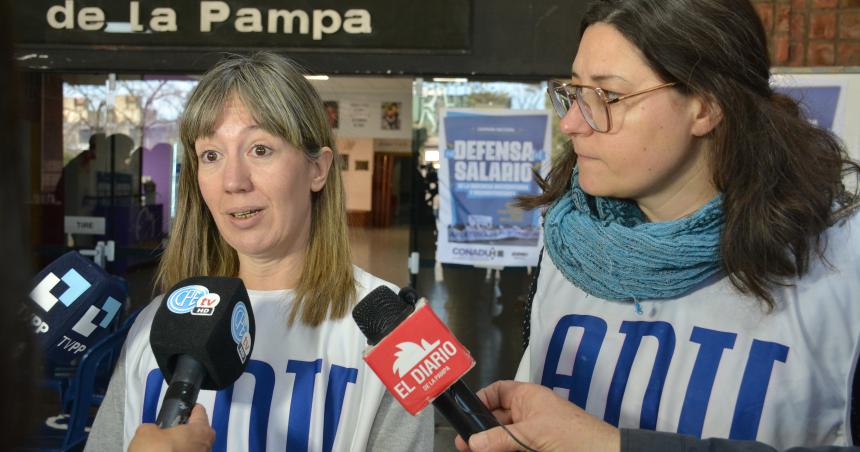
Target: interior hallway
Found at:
464, 299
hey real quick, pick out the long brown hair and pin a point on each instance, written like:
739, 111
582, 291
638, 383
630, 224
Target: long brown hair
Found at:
284, 104
779, 175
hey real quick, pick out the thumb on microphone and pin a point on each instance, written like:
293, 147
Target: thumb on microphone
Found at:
199, 418
495, 440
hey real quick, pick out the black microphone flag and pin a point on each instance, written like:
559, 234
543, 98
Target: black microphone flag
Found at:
202, 337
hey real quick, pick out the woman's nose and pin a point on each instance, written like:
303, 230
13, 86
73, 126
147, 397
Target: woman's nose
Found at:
237, 176
574, 123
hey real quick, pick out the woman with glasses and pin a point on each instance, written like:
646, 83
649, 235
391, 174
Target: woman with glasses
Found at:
701, 270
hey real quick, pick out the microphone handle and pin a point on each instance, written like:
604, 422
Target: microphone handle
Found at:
464, 410
181, 395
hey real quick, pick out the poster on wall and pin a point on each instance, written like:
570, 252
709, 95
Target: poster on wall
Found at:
486, 160
830, 101
369, 107
390, 117
371, 115
332, 111
356, 115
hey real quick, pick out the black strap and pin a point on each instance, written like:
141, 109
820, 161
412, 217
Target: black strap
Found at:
527, 315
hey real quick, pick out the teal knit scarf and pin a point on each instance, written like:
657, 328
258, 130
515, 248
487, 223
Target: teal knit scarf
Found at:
607, 247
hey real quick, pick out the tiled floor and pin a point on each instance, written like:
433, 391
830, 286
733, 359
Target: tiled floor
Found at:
484, 311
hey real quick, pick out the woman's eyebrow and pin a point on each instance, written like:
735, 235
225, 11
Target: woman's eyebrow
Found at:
602, 77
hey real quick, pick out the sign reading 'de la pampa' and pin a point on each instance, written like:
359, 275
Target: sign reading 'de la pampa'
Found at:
364, 24
245, 20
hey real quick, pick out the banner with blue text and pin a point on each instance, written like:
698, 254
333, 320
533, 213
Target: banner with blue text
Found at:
486, 160
829, 100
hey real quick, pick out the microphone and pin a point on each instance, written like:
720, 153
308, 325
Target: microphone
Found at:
74, 303
201, 336
418, 358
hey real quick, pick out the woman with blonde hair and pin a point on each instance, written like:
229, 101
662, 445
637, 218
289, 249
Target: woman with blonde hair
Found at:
260, 199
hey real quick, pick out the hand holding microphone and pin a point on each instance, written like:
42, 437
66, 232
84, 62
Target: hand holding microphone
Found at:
539, 418
195, 436
202, 336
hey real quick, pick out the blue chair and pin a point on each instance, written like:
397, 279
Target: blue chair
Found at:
89, 382
59, 377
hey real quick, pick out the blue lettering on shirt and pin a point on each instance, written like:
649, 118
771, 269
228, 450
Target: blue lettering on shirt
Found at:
301, 404
594, 331
712, 344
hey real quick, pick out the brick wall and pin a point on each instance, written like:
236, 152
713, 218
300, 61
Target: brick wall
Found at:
812, 32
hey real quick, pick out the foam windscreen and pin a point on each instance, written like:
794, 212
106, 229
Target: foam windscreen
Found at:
379, 312
409, 295
209, 319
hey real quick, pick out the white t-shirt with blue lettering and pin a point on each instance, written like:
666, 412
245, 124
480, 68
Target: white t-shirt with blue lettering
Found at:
305, 388
713, 363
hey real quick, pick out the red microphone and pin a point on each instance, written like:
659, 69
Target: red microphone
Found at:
419, 360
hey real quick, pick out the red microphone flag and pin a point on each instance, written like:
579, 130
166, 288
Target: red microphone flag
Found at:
419, 360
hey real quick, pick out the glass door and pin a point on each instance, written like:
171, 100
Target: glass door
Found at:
120, 144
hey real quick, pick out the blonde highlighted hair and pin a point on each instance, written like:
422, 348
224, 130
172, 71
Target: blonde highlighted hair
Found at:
283, 103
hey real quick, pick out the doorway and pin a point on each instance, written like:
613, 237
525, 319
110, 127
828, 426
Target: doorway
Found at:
392, 189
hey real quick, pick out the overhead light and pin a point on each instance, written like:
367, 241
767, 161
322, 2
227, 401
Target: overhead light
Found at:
316, 77
431, 156
451, 79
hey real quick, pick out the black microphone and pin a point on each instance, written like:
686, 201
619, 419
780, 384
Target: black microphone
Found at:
380, 313
202, 336
74, 303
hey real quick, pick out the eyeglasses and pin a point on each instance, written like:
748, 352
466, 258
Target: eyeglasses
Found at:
592, 102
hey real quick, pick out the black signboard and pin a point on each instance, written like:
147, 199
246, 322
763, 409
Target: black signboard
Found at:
402, 26
498, 39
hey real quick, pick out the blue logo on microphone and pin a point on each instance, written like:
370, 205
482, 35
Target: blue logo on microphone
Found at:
239, 323
184, 299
